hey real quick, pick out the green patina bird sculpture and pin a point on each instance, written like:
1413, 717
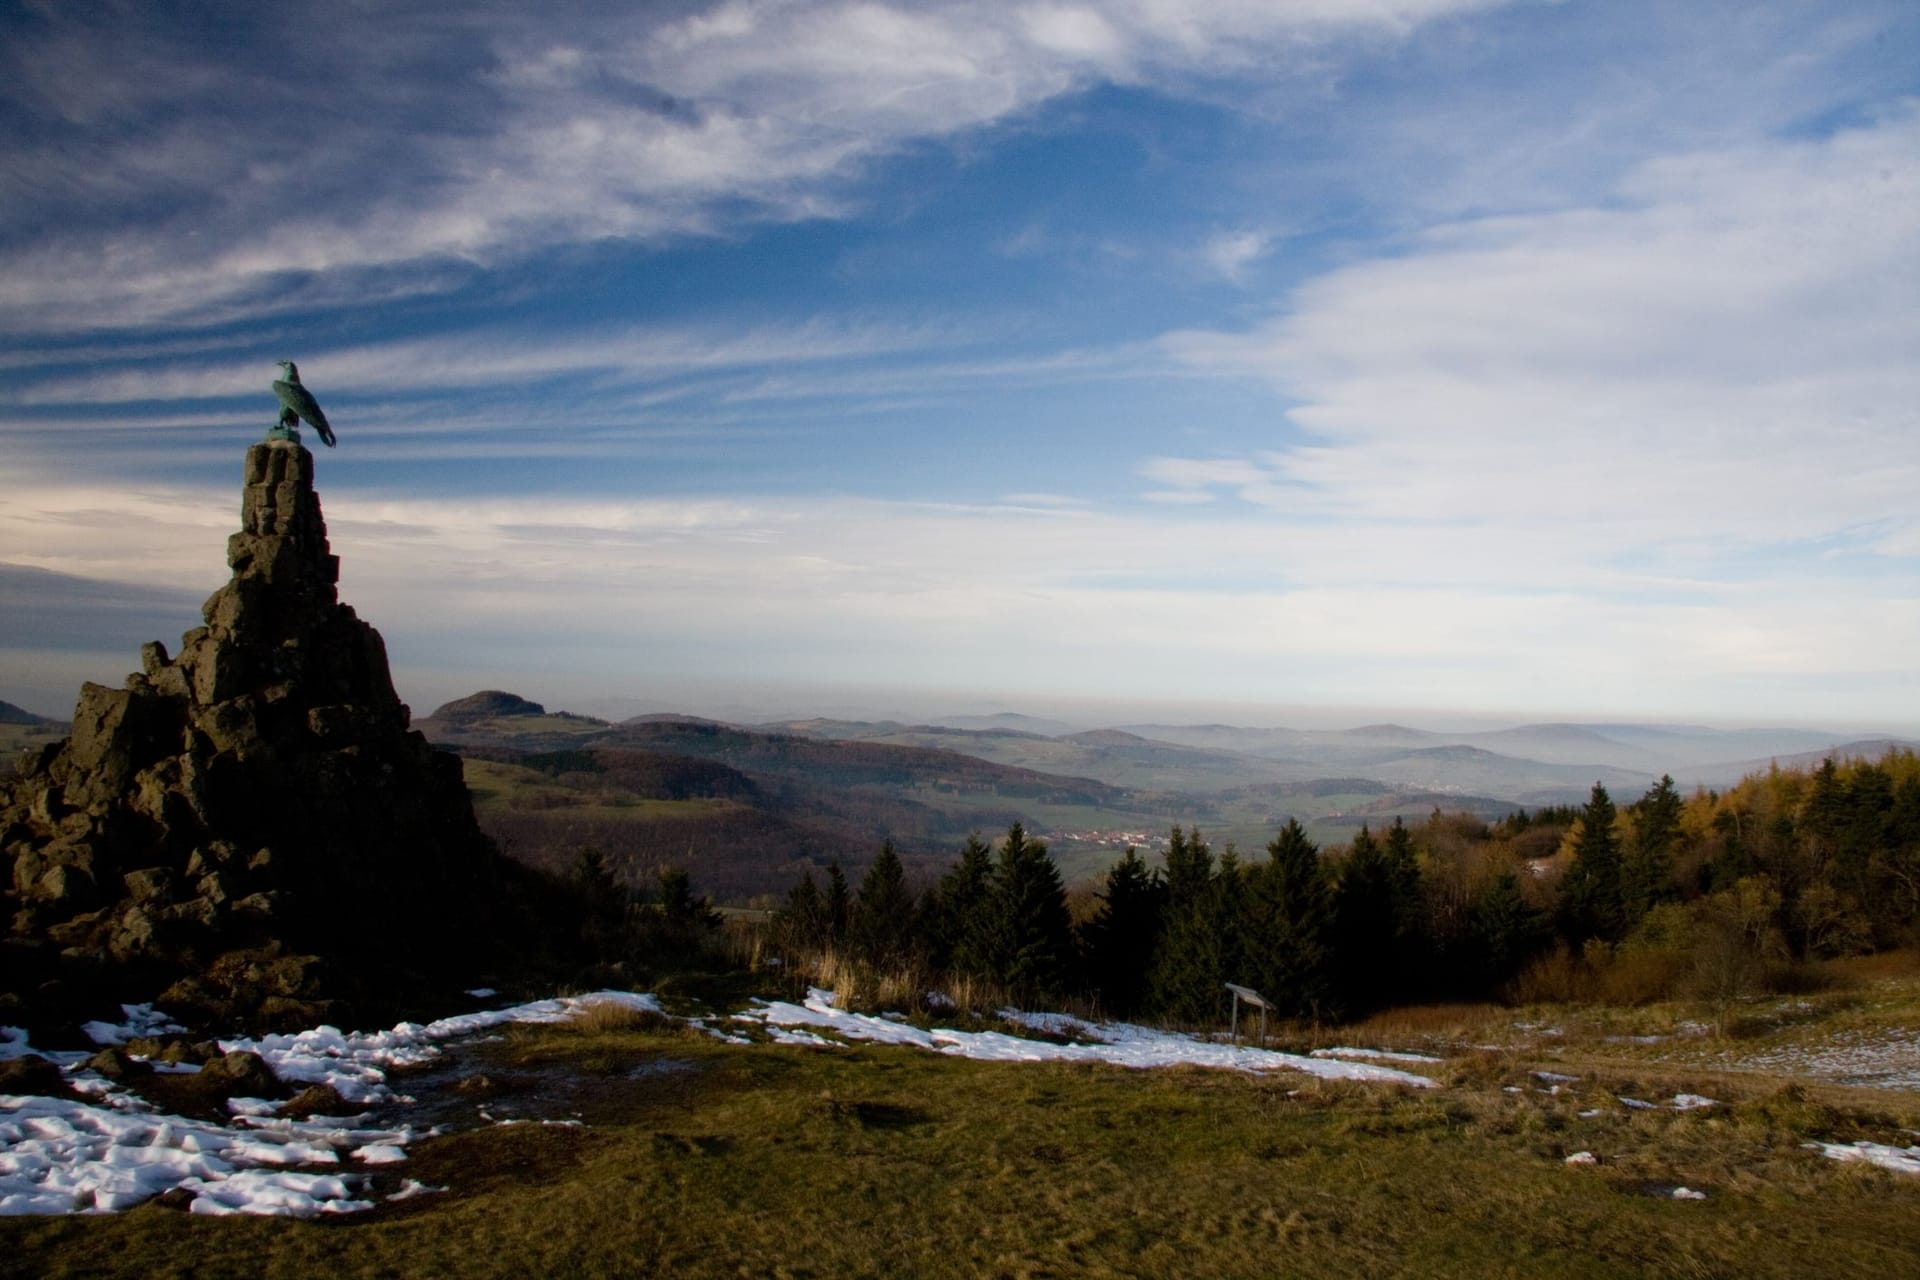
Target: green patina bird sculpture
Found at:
298, 405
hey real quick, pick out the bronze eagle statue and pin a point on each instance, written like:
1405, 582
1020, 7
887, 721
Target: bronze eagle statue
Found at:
298, 405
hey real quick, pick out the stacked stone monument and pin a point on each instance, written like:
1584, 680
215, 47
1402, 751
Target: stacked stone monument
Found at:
248, 830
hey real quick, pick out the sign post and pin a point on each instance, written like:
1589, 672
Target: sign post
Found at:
1255, 999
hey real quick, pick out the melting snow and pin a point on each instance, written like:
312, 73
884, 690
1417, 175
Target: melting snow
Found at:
62, 1155
1383, 1055
1877, 1058
141, 1021
1680, 1102
1120, 1043
1897, 1159
59, 1155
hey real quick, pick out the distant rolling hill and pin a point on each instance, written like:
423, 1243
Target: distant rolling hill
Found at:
20, 730
745, 811
747, 807
12, 715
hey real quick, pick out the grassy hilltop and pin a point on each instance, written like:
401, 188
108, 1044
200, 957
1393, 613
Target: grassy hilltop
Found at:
701, 1158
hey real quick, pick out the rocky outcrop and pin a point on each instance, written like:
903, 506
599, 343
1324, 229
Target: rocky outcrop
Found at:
250, 828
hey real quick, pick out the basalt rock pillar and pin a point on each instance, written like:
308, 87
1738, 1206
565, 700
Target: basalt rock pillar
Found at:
249, 829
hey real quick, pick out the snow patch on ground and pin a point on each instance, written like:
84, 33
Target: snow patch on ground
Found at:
61, 1155
141, 1020
1873, 1058
1119, 1043
1381, 1055
113, 1150
357, 1063
1896, 1159
1679, 1102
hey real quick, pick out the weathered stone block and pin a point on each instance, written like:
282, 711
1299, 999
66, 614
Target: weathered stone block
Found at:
136, 934
67, 887
215, 887
195, 914
48, 805
149, 884
100, 727
239, 1075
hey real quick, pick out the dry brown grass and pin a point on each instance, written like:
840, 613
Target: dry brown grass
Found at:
1426, 1022
604, 1017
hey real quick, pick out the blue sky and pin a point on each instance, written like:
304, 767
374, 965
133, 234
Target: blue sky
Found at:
1262, 360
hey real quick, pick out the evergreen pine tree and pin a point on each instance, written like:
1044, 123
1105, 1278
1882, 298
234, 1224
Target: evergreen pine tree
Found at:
1289, 926
1189, 969
1866, 830
1189, 868
957, 913
1591, 897
681, 923
1412, 942
839, 905
882, 927
604, 903
1366, 925
1506, 929
1824, 812
801, 923
1031, 933
1121, 937
1646, 868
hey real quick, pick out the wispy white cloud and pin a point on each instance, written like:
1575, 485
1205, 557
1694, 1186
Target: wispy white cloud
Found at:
469, 138
1230, 253
492, 357
1726, 347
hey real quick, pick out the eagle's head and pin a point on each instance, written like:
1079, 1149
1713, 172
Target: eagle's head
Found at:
292, 372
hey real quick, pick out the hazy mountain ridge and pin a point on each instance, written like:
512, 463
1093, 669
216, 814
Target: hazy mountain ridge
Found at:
10, 714
748, 806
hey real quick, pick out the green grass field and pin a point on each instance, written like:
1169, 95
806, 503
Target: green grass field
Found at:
699, 1158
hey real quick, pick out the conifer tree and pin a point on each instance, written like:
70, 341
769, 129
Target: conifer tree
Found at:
801, 923
882, 927
839, 905
1189, 868
604, 904
1824, 813
1190, 965
1031, 933
681, 922
1366, 942
957, 913
1289, 926
1591, 898
1866, 828
1646, 869
1412, 944
1506, 929
1121, 938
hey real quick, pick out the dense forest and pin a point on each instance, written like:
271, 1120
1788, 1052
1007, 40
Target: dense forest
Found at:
1709, 896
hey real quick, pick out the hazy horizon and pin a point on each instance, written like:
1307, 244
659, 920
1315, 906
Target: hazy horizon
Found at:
748, 703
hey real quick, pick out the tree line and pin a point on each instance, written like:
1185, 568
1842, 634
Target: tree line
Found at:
1713, 894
